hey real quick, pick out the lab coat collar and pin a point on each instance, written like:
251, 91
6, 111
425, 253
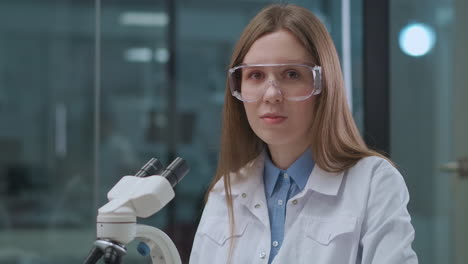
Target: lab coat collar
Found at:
247, 188
324, 182
249, 180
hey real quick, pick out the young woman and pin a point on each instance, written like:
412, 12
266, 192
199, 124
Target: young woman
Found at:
295, 181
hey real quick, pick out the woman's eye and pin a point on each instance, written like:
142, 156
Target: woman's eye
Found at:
292, 74
255, 75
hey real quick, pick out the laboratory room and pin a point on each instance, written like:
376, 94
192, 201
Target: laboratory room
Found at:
222, 131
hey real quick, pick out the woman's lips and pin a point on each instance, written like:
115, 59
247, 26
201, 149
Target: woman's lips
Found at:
273, 119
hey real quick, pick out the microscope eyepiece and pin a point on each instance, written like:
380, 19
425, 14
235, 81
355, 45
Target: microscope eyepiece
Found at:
173, 173
152, 167
176, 171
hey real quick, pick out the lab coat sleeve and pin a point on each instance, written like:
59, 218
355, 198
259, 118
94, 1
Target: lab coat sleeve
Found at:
387, 232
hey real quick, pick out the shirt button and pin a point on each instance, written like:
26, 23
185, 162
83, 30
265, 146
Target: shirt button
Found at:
280, 202
262, 254
257, 206
274, 244
294, 201
285, 175
244, 195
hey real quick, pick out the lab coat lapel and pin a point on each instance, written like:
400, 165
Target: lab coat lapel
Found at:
248, 189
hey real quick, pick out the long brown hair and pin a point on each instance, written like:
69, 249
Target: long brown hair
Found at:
335, 140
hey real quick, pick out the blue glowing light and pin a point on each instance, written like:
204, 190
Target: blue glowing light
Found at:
417, 39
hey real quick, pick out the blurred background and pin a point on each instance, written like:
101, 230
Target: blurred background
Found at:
90, 90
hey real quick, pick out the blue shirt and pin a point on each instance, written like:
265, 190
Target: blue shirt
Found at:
280, 185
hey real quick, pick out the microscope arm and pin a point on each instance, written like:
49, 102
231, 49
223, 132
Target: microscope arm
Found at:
132, 197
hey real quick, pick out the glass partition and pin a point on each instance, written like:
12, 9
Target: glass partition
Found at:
428, 110
46, 130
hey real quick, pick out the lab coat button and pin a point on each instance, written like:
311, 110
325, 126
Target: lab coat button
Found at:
244, 195
294, 201
257, 206
262, 254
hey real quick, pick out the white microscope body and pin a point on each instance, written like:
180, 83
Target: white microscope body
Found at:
130, 198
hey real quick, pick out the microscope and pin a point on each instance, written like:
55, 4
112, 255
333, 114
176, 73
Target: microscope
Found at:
141, 195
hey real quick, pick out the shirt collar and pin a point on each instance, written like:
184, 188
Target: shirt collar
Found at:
249, 179
299, 171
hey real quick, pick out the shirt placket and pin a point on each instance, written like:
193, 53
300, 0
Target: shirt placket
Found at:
278, 214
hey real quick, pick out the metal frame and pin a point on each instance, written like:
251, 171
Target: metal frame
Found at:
376, 74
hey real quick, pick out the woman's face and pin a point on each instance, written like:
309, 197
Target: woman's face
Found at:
277, 121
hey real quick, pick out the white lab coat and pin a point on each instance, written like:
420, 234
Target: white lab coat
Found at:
357, 216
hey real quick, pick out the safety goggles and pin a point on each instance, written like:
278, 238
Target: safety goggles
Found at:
295, 82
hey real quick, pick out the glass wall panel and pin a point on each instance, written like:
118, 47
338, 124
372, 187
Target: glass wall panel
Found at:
46, 130
423, 124
133, 95
133, 105
356, 50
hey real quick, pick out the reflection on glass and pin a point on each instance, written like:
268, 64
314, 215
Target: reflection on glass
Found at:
416, 39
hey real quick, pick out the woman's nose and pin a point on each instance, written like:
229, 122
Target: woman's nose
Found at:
272, 92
